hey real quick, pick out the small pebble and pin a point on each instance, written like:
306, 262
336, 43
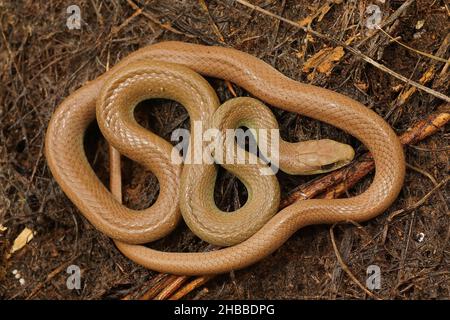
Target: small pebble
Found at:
17, 276
22, 281
420, 24
420, 236
15, 271
419, 34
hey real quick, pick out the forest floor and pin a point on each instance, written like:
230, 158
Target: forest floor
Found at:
42, 61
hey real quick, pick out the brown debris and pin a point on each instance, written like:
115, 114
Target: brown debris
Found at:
323, 61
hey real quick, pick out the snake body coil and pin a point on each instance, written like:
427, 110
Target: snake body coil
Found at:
169, 70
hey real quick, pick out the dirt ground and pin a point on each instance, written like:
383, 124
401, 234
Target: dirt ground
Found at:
42, 61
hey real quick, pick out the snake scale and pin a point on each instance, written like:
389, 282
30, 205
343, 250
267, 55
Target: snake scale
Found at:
173, 70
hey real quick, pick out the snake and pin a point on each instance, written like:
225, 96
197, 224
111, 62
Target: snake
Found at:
175, 70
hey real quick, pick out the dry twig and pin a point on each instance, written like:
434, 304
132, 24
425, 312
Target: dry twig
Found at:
346, 268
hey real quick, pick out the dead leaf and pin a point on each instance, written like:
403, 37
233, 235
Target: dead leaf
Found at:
420, 24
306, 21
427, 76
3, 228
324, 60
319, 14
323, 11
22, 239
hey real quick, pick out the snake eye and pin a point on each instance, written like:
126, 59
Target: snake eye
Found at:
327, 167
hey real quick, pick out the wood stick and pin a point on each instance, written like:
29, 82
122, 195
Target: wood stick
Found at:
171, 287
194, 284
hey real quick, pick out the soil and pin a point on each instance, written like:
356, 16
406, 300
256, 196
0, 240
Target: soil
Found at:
42, 61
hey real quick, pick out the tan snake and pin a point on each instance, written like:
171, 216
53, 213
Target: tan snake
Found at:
169, 70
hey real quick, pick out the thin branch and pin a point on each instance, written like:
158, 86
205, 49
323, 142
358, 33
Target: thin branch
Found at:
420, 202
171, 288
166, 26
194, 284
214, 26
346, 268
425, 54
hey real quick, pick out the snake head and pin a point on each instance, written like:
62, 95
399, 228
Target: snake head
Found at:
317, 156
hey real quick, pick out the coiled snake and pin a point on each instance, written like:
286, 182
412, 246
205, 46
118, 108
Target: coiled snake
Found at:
171, 70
